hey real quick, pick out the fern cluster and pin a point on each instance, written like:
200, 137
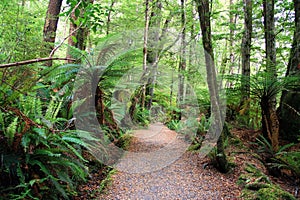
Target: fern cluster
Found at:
41, 154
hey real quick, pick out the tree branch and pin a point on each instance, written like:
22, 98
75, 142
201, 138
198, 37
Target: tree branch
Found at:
26, 62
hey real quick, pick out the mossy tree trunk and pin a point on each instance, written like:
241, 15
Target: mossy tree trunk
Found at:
289, 104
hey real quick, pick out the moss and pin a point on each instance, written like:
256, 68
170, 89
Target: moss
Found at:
194, 147
265, 192
258, 186
274, 192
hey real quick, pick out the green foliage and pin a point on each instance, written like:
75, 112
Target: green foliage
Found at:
46, 158
174, 125
264, 146
288, 160
40, 155
280, 159
87, 14
107, 181
142, 116
124, 141
21, 30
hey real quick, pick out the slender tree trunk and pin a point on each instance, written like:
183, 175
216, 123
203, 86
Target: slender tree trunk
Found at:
232, 21
289, 103
182, 63
246, 48
145, 50
109, 16
79, 34
231, 36
153, 51
72, 38
50, 27
204, 15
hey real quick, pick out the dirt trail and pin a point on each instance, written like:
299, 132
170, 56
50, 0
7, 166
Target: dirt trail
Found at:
157, 166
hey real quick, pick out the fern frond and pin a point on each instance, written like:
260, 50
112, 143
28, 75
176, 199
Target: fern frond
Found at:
11, 130
46, 152
73, 150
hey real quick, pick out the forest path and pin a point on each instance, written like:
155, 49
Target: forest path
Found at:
148, 171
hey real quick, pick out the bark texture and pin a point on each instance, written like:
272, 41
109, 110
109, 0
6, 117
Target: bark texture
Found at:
246, 48
270, 124
289, 105
216, 127
50, 26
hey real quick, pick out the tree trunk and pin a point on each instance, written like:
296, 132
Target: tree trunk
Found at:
269, 25
289, 103
72, 38
246, 48
145, 51
232, 21
182, 63
109, 16
269, 118
153, 51
50, 27
204, 15
78, 35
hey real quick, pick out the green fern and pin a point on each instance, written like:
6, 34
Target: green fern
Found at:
11, 130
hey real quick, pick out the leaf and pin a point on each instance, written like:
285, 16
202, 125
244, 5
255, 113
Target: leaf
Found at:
74, 39
77, 12
11, 130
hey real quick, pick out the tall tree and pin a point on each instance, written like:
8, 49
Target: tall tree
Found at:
182, 63
289, 104
232, 21
269, 26
153, 50
245, 49
216, 127
78, 30
270, 123
145, 50
50, 26
109, 16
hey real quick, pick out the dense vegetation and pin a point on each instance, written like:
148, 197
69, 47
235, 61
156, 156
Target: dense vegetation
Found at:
77, 75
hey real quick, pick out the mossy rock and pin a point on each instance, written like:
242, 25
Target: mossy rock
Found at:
258, 186
266, 192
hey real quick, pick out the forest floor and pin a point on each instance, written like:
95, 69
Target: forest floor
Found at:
145, 172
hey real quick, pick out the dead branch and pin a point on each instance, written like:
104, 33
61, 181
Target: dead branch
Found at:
26, 62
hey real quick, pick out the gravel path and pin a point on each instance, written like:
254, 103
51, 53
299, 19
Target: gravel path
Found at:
157, 166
